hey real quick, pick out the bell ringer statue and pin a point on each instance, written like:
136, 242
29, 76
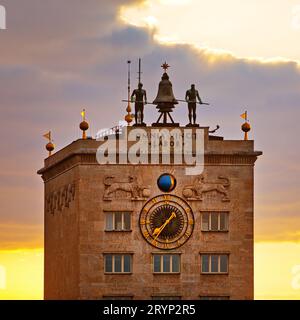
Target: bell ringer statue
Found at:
140, 100
191, 97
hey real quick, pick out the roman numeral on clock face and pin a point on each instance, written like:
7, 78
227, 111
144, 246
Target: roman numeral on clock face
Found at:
146, 234
154, 242
187, 234
144, 221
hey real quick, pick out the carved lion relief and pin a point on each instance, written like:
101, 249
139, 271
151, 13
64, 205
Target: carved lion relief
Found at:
202, 186
60, 199
130, 189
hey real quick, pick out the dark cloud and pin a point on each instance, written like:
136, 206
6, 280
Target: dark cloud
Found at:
60, 56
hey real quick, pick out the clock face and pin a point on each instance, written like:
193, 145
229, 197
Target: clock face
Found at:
166, 222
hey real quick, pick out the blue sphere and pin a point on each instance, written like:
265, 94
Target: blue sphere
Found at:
166, 182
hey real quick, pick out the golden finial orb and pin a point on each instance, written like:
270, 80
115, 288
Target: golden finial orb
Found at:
128, 118
50, 147
246, 127
84, 126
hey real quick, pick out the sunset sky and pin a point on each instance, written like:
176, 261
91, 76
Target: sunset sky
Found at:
59, 56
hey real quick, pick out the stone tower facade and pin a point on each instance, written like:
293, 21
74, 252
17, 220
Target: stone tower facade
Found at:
112, 231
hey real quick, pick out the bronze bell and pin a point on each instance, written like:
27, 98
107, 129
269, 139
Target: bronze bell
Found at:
165, 93
165, 101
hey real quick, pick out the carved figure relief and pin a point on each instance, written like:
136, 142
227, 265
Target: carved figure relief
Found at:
202, 186
60, 199
130, 189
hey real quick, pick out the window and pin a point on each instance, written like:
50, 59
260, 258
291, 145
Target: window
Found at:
118, 263
214, 221
166, 298
214, 263
214, 298
118, 221
166, 263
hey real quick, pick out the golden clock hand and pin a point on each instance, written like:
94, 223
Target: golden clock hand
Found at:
173, 215
158, 231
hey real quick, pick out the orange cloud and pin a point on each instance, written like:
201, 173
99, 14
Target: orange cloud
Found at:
14, 236
275, 229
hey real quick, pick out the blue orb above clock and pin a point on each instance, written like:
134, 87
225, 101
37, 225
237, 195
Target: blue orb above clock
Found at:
166, 182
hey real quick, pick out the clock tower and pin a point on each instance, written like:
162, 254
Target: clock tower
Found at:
147, 229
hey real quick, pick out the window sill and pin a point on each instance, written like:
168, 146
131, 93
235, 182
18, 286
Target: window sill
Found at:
118, 273
215, 273
166, 273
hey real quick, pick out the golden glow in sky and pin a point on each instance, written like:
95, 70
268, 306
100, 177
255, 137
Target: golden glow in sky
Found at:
268, 29
21, 274
277, 270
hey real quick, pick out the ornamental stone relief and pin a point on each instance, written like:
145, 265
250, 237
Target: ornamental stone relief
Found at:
211, 189
128, 189
60, 199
